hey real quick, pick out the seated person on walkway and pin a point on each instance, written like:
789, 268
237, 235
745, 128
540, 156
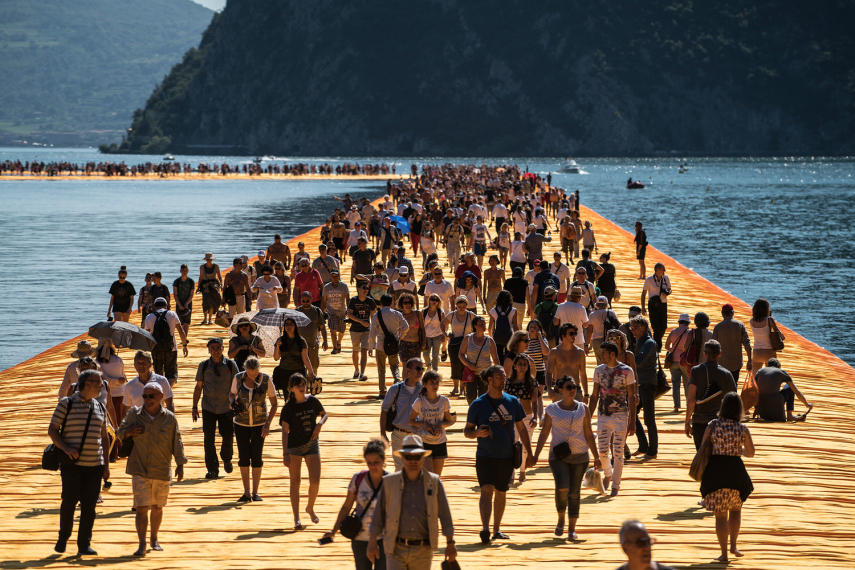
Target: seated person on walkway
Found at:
770, 406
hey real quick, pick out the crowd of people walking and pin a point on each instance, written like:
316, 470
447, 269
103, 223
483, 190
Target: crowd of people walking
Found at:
517, 333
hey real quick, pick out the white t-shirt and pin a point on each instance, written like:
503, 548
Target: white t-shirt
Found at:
518, 251
266, 287
567, 426
173, 321
134, 390
444, 289
563, 273
562, 213
354, 236
598, 321
367, 211
575, 313
500, 211
480, 231
530, 278
495, 314
353, 216
363, 495
653, 286
434, 414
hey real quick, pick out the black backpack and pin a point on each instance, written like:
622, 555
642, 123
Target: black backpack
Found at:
502, 331
610, 321
161, 332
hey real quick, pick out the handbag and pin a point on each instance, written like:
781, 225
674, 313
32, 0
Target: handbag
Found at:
776, 339
669, 356
390, 343
449, 565
351, 526
702, 458
468, 373
393, 410
662, 386
563, 451
750, 393
689, 358
616, 296
518, 446
53, 456
458, 340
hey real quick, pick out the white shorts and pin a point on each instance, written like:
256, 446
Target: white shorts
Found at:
149, 492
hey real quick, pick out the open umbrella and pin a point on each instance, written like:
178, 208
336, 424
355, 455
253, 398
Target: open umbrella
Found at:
276, 317
401, 223
268, 335
123, 335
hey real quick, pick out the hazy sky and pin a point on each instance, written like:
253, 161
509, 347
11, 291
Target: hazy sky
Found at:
212, 4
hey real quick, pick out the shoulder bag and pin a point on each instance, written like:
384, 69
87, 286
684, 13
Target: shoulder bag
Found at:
518, 446
390, 343
776, 339
662, 386
458, 340
669, 356
393, 410
468, 373
702, 458
51, 456
351, 526
750, 393
563, 452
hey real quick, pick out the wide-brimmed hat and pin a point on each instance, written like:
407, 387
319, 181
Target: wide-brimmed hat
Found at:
84, 348
210, 256
412, 444
243, 321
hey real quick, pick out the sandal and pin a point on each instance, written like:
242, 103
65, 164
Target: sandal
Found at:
500, 536
559, 529
444, 355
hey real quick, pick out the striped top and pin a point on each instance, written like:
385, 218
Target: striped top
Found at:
75, 424
535, 350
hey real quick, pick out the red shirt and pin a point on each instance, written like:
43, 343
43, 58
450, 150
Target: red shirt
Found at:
463, 268
310, 282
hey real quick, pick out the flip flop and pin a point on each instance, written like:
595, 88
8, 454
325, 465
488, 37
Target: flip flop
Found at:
802, 417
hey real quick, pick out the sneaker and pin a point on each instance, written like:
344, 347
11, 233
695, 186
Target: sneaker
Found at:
245, 499
212, 476
227, 466
86, 551
256, 498
363, 378
60, 545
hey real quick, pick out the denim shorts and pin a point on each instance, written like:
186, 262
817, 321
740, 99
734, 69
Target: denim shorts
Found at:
479, 248
311, 448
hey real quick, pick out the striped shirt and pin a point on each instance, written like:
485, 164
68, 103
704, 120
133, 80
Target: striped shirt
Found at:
75, 424
535, 350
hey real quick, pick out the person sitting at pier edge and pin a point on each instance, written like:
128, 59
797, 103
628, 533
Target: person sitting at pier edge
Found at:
770, 406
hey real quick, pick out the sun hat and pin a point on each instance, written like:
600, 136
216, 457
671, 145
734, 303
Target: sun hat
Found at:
684, 318
243, 321
210, 256
412, 444
462, 299
84, 348
576, 292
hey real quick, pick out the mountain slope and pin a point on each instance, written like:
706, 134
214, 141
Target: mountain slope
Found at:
87, 64
472, 77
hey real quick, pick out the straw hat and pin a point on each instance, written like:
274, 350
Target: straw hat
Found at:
210, 256
412, 444
243, 321
84, 348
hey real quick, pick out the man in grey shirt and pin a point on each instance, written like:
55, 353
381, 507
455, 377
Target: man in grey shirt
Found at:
324, 263
402, 396
310, 331
702, 401
732, 336
534, 244
402, 513
213, 384
397, 325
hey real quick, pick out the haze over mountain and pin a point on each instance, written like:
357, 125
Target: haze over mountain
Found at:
486, 78
72, 67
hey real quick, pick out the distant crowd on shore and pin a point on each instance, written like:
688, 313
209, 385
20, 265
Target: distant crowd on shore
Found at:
517, 333
171, 168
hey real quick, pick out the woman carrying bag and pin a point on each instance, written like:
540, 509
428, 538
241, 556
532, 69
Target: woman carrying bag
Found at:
568, 451
477, 353
460, 321
363, 490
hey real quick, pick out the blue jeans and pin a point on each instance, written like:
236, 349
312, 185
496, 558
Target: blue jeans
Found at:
362, 563
648, 405
677, 378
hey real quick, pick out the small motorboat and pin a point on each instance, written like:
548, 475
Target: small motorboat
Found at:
168, 157
632, 185
570, 167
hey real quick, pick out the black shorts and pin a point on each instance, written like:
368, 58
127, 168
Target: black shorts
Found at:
184, 316
339, 243
495, 472
541, 377
641, 252
440, 450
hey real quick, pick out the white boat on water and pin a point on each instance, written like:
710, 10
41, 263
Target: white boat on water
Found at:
168, 157
570, 167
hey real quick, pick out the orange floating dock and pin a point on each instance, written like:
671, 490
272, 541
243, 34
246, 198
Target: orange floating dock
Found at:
798, 517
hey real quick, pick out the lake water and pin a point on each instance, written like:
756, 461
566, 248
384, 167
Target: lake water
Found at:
774, 228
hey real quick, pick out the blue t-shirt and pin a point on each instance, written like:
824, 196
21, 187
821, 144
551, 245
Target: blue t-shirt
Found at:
481, 412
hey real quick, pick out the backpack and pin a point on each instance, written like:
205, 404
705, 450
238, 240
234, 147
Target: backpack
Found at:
610, 321
502, 332
546, 322
589, 269
232, 365
161, 332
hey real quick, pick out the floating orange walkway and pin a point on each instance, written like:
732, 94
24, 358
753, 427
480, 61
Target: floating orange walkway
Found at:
798, 517
100, 176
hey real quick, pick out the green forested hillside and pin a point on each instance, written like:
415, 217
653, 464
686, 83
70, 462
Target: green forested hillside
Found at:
87, 64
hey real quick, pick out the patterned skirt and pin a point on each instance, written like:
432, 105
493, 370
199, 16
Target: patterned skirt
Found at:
408, 350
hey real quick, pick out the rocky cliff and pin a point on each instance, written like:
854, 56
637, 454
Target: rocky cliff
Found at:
488, 78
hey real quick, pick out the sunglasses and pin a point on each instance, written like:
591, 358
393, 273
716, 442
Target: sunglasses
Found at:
571, 334
569, 387
437, 274
641, 542
149, 396
408, 457
419, 368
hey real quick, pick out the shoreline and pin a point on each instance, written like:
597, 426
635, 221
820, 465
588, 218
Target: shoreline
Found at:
206, 176
802, 466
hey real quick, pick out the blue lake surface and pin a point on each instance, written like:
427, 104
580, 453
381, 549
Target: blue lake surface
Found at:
776, 228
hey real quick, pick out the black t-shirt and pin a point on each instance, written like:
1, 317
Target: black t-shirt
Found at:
517, 286
607, 279
159, 291
641, 237
301, 419
122, 293
363, 261
362, 310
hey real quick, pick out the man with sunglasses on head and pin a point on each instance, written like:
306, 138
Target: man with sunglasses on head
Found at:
213, 384
637, 545
360, 309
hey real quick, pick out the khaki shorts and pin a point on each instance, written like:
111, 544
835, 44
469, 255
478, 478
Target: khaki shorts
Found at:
149, 492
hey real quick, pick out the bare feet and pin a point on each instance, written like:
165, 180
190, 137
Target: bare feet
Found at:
140, 551
736, 553
155, 545
722, 558
297, 524
312, 514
